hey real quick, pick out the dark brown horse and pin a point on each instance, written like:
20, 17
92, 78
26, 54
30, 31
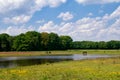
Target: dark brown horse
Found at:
84, 53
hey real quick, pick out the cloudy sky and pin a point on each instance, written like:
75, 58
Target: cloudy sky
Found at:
94, 20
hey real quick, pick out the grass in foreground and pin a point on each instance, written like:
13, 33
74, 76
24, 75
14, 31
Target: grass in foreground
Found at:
97, 69
66, 52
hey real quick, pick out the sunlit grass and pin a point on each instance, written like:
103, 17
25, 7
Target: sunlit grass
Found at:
96, 69
66, 52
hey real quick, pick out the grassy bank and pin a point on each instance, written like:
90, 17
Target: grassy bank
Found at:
113, 52
97, 69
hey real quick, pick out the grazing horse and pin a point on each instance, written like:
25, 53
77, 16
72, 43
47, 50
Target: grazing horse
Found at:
48, 52
84, 53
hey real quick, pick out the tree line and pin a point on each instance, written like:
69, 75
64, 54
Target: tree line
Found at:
35, 41
96, 45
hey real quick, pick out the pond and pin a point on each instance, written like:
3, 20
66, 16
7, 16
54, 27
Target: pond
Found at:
10, 62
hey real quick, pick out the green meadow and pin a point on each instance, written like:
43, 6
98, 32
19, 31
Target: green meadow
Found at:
96, 69
65, 52
93, 69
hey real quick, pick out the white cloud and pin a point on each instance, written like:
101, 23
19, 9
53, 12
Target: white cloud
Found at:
65, 16
111, 32
97, 1
13, 8
8, 5
17, 19
99, 28
54, 3
116, 13
15, 30
90, 14
51, 3
48, 27
40, 21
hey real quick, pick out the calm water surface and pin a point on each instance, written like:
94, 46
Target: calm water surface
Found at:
10, 62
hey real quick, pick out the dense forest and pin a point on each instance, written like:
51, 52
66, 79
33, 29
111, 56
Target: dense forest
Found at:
35, 41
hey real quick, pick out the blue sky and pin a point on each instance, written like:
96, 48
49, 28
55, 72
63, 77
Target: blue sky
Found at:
95, 20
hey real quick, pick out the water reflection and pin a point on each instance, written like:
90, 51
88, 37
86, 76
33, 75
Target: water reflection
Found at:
80, 57
9, 62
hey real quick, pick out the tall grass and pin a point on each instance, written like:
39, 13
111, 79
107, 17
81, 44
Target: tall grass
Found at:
96, 69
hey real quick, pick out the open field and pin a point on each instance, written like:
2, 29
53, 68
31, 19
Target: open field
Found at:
110, 52
96, 69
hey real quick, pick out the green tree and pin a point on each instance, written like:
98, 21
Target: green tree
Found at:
54, 42
33, 40
66, 42
113, 44
4, 42
18, 43
102, 45
44, 40
76, 45
85, 45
